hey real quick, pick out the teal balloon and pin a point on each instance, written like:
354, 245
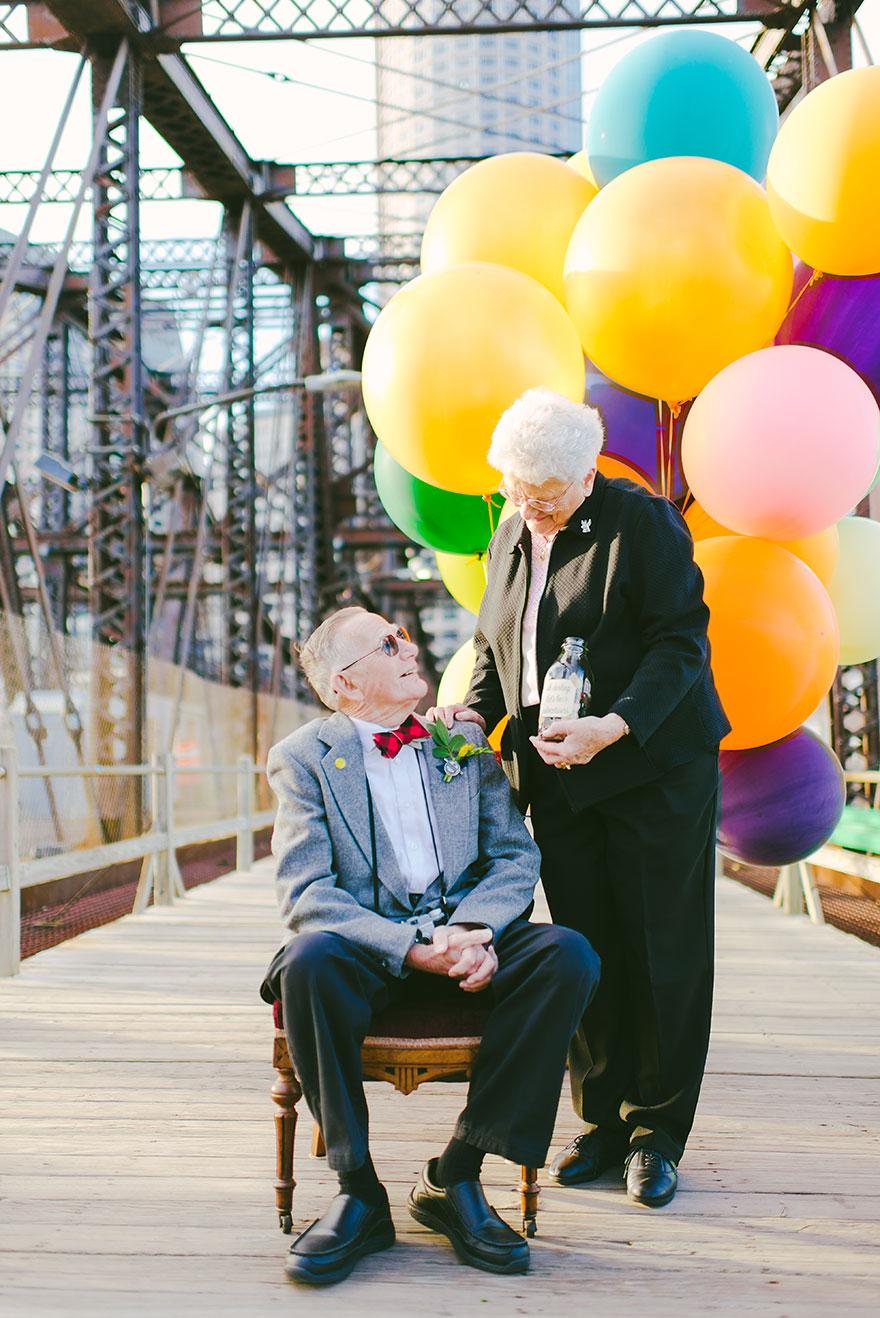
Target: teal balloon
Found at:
435, 518
683, 94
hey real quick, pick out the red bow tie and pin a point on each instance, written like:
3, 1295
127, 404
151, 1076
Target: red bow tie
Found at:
390, 743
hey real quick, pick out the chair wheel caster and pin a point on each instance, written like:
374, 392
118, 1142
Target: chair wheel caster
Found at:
285, 1221
530, 1226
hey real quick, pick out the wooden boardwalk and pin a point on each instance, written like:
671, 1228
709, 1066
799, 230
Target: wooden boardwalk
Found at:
137, 1146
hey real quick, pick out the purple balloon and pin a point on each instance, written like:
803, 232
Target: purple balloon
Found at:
780, 802
630, 425
841, 315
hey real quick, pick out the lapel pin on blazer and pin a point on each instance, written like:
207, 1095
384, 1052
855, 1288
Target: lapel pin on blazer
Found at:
587, 525
339, 764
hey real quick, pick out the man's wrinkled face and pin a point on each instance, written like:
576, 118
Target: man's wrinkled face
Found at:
378, 664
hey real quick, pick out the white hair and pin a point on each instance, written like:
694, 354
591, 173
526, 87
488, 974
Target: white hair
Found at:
320, 654
544, 436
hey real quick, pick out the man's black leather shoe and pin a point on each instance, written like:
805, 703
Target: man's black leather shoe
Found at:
327, 1250
479, 1237
588, 1156
651, 1179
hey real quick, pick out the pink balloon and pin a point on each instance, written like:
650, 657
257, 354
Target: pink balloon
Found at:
782, 443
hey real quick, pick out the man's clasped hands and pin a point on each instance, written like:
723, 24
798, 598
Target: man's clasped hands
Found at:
462, 952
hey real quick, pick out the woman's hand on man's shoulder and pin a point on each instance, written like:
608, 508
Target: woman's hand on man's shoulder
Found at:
450, 714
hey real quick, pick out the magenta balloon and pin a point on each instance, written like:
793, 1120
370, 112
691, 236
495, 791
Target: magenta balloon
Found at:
630, 426
779, 803
782, 442
842, 315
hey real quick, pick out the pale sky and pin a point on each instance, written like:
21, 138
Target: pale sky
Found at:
325, 114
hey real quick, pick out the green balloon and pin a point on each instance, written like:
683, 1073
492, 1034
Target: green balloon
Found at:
435, 518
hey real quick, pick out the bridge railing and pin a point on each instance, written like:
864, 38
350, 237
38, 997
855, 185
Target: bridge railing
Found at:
160, 876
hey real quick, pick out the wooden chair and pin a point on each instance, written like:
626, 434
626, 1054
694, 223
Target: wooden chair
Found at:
408, 1047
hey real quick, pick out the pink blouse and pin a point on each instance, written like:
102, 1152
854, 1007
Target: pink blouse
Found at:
530, 692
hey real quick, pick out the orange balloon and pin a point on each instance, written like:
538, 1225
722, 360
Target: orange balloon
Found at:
820, 552
611, 467
774, 637
497, 733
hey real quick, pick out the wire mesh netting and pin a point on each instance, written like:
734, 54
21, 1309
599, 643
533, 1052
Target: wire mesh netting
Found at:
54, 912
59, 707
853, 912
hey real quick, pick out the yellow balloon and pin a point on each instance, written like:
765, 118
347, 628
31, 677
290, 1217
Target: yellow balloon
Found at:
823, 176
855, 590
455, 682
449, 353
517, 210
820, 551
457, 675
674, 271
464, 576
580, 162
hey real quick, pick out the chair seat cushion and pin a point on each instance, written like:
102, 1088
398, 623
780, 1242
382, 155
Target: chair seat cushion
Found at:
421, 1021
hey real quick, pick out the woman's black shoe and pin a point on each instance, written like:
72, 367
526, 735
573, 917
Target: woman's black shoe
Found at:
479, 1237
588, 1156
651, 1179
327, 1251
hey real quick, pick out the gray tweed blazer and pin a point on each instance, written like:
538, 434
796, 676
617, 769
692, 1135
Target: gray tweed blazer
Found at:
322, 843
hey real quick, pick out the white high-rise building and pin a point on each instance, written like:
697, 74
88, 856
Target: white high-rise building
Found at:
443, 96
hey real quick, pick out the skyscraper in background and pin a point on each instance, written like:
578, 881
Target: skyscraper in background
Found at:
443, 96
474, 96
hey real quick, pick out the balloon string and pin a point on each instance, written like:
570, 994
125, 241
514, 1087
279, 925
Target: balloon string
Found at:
491, 507
660, 432
814, 279
484, 564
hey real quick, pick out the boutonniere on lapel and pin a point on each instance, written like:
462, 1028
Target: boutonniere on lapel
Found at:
451, 749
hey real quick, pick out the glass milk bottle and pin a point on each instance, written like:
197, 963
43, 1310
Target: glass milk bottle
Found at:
567, 686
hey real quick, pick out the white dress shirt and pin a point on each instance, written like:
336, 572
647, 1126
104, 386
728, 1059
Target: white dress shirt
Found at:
530, 690
398, 796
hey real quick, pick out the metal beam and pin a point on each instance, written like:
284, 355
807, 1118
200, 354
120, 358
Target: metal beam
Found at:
180, 22
280, 20
182, 111
336, 178
117, 595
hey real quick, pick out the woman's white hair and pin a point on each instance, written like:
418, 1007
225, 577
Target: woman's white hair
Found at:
320, 654
544, 436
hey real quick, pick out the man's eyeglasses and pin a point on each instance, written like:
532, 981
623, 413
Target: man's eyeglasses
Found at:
389, 645
539, 505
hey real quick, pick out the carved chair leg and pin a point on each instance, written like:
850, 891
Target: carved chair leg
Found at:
319, 1148
529, 1190
286, 1093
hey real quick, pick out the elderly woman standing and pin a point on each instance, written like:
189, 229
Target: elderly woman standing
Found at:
627, 835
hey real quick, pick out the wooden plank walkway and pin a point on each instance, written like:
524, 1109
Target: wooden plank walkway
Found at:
138, 1149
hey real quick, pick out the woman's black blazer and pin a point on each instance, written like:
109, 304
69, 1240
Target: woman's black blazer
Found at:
622, 576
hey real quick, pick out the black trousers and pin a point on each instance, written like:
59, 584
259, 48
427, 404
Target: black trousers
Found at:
330, 989
635, 874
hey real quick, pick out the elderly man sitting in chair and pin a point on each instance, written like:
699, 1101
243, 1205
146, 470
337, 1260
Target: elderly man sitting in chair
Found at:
406, 874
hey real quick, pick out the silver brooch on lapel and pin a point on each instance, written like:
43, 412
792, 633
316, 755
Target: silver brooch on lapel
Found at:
587, 525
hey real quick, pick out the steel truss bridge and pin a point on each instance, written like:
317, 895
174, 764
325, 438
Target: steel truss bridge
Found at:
214, 507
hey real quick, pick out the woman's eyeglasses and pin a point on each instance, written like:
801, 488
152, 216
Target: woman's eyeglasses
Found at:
539, 505
389, 645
